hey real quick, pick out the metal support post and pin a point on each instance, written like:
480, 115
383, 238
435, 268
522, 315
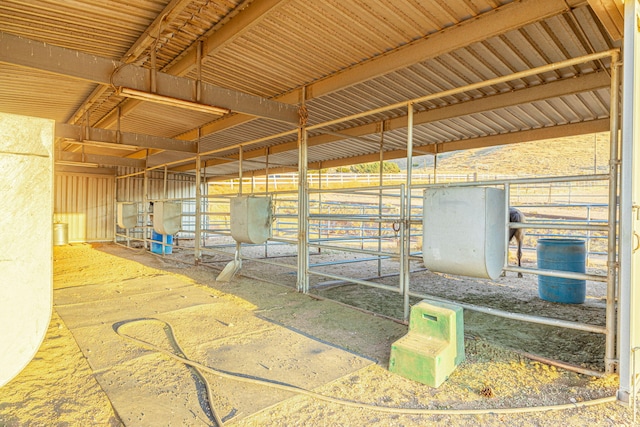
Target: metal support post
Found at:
629, 296
404, 258
198, 226
406, 265
320, 203
610, 311
266, 190
145, 203
303, 200
240, 177
164, 183
380, 183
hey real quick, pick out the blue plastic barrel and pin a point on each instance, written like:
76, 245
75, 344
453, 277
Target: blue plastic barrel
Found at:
563, 255
159, 248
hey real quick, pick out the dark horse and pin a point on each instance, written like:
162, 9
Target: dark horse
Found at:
516, 216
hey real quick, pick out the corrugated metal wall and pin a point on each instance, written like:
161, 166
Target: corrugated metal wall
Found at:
85, 203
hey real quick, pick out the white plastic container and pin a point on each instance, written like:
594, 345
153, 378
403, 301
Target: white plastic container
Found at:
127, 214
251, 219
167, 217
60, 233
464, 231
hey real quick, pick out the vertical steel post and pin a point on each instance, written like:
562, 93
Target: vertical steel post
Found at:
303, 199
320, 204
205, 203
240, 178
164, 183
238, 253
266, 172
629, 296
115, 216
145, 202
402, 247
164, 197
380, 183
407, 238
435, 164
198, 225
266, 190
610, 310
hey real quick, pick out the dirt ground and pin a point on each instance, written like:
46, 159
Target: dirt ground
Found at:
59, 388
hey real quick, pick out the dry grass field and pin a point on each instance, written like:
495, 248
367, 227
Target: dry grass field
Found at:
563, 156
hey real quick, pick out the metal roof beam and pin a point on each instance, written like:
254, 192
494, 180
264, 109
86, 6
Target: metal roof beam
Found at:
80, 133
611, 15
101, 160
54, 59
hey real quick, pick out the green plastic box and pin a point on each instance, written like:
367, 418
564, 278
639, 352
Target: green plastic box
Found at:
434, 345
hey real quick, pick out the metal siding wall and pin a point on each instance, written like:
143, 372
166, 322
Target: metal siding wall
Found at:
85, 203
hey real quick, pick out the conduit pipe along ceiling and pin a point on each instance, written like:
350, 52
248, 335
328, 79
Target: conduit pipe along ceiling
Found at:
167, 100
80, 164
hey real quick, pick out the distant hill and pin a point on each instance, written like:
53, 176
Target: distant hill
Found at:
563, 156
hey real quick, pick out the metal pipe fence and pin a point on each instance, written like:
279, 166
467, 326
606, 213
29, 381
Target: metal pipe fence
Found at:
330, 220
373, 225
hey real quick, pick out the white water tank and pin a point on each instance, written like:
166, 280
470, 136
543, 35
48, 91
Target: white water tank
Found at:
464, 231
251, 219
127, 214
167, 217
60, 233
27, 188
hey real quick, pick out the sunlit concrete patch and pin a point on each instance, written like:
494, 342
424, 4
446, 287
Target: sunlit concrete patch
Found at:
220, 332
80, 314
126, 288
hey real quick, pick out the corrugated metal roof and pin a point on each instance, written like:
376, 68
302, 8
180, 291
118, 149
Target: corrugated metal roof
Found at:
290, 47
38, 94
354, 56
106, 28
